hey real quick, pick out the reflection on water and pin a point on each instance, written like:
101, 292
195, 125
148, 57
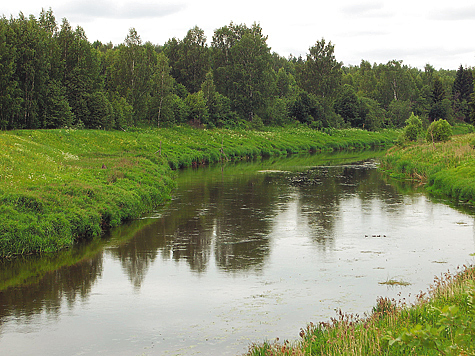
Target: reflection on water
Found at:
243, 253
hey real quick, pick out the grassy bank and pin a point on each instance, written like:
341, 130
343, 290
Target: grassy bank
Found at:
441, 322
59, 186
448, 168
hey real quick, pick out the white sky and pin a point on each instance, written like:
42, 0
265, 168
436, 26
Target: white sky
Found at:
416, 31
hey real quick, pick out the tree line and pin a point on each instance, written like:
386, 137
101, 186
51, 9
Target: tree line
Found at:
51, 76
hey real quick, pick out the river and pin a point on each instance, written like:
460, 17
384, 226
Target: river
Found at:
243, 253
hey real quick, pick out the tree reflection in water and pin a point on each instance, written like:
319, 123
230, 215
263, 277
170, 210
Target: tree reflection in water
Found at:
227, 221
257, 238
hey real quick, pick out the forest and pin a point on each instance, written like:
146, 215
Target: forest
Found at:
51, 76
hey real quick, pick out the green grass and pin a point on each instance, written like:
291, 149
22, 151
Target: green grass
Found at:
61, 186
447, 169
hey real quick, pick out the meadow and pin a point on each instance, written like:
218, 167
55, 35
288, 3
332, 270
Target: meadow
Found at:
61, 186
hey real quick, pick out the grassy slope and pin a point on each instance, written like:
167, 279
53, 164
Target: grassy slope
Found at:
446, 168
58, 186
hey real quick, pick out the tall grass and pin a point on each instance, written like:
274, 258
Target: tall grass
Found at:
60, 186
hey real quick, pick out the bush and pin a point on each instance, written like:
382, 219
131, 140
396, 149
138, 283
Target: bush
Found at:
413, 128
439, 131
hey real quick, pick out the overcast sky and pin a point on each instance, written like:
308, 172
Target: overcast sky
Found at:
416, 31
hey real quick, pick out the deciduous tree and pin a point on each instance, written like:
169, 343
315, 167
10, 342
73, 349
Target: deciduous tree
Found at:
242, 67
320, 74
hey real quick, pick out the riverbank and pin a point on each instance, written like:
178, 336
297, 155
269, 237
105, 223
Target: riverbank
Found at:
61, 186
439, 323
446, 169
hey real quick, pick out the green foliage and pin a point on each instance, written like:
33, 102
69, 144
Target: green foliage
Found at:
452, 333
439, 131
462, 90
375, 117
348, 106
441, 110
189, 59
399, 111
242, 67
413, 128
57, 112
307, 108
395, 83
198, 110
321, 73
462, 128
51, 76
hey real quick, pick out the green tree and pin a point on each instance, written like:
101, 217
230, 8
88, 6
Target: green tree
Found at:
439, 131
122, 111
161, 86
56, 113
31, 70
242, 67
100, 111
462, 90
308, 109
189, 59
198, 110
10, 93
285, 84
394, 83
219, 106
81, 69
374, 116
463, 84
321, 73
129, 74
438, 91
365, 80
348, 106
399, 111
413, 128
441, 107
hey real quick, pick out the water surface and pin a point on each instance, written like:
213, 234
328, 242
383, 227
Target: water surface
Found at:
244, 253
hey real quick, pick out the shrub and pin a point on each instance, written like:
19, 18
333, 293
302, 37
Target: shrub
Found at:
413, 128
439, 131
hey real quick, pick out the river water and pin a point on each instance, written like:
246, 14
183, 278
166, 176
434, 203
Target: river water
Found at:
243, 253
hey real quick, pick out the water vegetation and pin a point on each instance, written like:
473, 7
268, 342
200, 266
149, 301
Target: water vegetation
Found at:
61, 186
395, 282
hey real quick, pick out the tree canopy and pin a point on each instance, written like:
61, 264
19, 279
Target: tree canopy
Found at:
51, 76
